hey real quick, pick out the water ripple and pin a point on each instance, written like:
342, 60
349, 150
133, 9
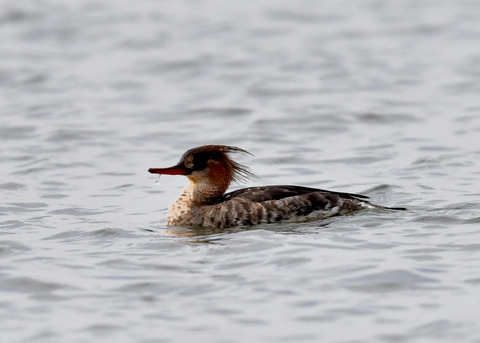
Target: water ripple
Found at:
388, 281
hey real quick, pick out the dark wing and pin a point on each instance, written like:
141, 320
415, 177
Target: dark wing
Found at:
255, 205
265, 193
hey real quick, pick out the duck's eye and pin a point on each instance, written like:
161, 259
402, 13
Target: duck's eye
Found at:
188, 163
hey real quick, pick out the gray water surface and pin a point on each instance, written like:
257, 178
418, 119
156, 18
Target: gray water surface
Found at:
372, 97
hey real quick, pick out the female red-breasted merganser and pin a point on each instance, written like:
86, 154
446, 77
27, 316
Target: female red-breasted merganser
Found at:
203, 202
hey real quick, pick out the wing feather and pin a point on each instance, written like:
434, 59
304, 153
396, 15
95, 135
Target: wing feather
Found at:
266, 193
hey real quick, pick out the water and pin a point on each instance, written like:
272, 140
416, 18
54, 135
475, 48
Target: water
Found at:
372, 97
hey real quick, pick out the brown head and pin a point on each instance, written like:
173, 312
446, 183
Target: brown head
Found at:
209, 169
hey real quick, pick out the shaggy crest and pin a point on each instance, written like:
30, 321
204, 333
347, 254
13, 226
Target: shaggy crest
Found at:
197, 158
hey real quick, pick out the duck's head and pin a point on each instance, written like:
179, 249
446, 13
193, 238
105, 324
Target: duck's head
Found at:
209, 168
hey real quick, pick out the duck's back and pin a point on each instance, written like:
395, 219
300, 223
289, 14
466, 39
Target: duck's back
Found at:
269, 204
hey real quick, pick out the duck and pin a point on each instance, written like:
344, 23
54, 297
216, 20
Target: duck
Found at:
204, 202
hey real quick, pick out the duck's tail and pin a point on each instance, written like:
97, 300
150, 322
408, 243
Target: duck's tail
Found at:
390, 208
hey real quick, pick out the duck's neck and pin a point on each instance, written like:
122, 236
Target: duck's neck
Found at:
203, 193
210, 184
